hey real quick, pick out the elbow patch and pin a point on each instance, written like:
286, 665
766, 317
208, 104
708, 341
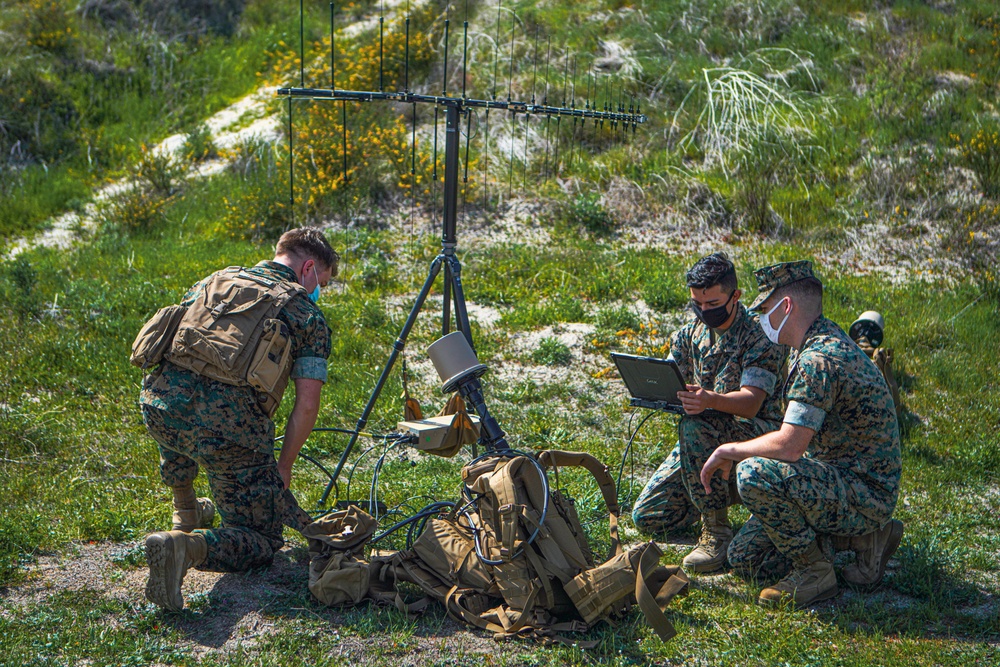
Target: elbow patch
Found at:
803, 414
310, 368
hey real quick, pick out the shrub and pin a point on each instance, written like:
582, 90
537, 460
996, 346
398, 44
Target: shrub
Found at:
159, 171
199, 145
379, 157
47, 26
755, 182
617, 318
587, 210
134, 210
19, 279
257, 209
981, 154
40, 122
551, 352
665, 292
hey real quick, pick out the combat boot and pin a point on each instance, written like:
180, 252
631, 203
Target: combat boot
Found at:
169, 555
812, 579
873, 551
710, 553
191, 513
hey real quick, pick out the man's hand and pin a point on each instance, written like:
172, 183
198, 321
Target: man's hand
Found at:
696, 399
717, 461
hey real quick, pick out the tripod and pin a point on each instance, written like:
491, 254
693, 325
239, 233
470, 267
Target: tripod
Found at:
453, 290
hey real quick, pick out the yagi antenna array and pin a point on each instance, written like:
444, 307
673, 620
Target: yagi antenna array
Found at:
601, 111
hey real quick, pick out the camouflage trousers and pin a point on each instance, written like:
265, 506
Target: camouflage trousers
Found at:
792, 504
674, 498
245, 485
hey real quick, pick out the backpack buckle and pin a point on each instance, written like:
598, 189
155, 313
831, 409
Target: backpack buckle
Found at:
220, 310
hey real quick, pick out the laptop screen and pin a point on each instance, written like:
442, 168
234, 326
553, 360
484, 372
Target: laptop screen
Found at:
650, 378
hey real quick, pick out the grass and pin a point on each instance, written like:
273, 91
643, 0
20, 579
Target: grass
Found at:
76, 465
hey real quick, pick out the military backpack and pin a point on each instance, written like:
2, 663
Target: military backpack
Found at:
230, 333
512, 557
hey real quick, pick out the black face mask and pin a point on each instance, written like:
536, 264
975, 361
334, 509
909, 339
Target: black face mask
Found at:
713, 317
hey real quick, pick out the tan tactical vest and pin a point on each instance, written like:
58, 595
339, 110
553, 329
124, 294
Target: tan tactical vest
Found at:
230, 333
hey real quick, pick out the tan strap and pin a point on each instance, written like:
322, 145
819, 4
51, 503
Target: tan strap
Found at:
554, 458
650, 604
452, 603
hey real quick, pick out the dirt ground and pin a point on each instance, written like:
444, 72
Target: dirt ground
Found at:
233, 613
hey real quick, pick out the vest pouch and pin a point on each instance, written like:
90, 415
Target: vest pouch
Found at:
596, 591
269, 368
221, 333
156, 337
447, 548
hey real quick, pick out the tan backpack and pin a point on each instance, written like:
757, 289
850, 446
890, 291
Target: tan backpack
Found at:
512, 558
230, 333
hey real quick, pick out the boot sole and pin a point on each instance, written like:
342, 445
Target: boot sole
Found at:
159, 552
717, 568
895, 537
822, 597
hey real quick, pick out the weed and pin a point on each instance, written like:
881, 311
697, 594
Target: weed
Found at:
133, 210
551, 352
981, 153
617, 318
199, 145
741, 106
158, 171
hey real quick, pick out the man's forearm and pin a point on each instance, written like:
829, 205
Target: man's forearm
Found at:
781, 445
300, 425
742, 403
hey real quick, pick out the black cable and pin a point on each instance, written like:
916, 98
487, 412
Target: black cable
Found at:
430, 510
373, 493
509, 453
350, 475
628, 448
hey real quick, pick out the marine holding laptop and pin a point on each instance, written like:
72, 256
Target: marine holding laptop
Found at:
733, 394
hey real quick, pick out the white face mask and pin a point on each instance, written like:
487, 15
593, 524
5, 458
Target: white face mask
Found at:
765, 323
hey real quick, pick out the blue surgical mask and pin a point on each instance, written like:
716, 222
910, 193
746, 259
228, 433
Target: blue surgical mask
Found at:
314, 295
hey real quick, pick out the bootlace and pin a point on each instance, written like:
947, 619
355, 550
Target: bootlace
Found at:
796, 577
709, 538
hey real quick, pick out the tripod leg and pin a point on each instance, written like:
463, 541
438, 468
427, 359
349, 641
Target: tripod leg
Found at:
446, 302
397, 347
453, 271
461, 314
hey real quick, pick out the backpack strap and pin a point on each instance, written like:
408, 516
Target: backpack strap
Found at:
553, 458
652, 604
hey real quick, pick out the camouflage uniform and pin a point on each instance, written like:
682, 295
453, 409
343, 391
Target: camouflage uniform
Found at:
198, 421
847, 482
741, 356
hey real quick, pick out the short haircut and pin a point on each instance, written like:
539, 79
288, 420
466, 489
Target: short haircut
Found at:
716, 269
806, 293
308, 242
